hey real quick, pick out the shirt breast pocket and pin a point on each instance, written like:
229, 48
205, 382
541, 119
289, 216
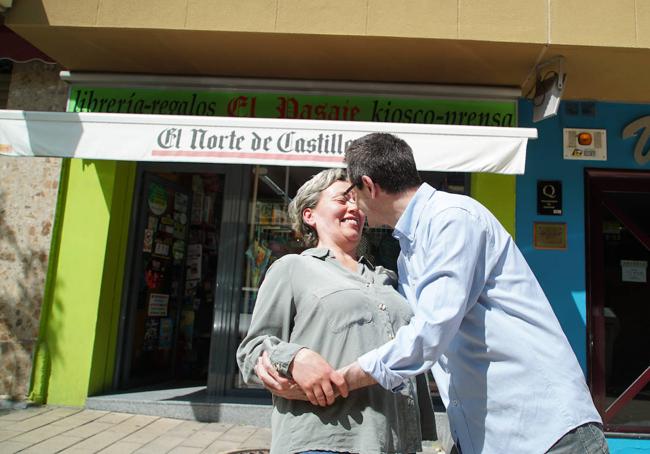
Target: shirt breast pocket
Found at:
343, 308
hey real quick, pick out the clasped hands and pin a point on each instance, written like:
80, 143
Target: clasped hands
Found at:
313, 378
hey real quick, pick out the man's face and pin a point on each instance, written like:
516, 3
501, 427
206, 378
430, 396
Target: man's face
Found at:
366, 204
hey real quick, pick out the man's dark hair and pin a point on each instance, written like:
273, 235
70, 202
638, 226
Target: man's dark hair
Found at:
385, 158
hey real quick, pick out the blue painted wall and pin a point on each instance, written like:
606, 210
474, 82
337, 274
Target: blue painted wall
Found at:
562, 273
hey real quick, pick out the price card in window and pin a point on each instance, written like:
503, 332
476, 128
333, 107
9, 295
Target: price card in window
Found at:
634, 271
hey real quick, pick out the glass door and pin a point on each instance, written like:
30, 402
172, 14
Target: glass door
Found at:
618, 291
179, 255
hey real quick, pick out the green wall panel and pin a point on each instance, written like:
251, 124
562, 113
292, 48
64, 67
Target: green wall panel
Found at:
83, 303
498, 194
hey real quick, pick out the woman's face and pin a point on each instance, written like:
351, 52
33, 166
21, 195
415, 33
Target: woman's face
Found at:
336, 217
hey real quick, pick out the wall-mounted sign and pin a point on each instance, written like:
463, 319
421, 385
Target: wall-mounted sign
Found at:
641, 126
293, 106
549, 235
634, 271
585, 144
549, 197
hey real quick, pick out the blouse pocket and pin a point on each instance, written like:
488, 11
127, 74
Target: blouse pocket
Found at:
397, 306
343, 308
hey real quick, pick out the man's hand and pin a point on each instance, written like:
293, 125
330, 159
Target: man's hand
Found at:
316, 378
356, 377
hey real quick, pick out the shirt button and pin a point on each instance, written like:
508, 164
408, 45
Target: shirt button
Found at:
390, 336
454, 403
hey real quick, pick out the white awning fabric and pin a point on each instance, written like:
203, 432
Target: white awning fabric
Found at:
315, 143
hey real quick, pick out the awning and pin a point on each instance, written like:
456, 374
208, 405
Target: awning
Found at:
315, 143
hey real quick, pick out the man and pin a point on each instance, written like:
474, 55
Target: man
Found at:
505, 370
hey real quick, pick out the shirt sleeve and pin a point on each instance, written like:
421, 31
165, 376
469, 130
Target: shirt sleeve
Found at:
271, 324
444, 264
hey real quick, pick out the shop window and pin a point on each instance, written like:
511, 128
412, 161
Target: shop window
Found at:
618, 247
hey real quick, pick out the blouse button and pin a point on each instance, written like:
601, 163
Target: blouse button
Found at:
382, 307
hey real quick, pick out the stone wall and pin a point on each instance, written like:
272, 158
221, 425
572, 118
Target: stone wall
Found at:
28, 194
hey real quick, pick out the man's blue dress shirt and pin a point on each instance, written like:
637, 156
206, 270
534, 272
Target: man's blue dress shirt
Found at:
504, 368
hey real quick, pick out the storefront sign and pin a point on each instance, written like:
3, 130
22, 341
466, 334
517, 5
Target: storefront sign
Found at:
549, 235
125, 137
640, 127
585, 144
549, 198
293, 106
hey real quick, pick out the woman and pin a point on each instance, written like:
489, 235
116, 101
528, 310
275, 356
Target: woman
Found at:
329, 300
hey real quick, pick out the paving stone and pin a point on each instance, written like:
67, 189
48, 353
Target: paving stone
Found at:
20, 415
162, 443
79, 419
133, 424
96, 442
201, 439
89, 429
187, 428
115, 418
121, 447
221, 446
238, 433
259, 440
10, 447
185, 450
153, 430
40, 434
62, 412
218, 426
54, 444
32, 423
141, 437
7, 434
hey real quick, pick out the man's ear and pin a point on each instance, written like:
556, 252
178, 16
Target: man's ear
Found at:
373, 187
308, 217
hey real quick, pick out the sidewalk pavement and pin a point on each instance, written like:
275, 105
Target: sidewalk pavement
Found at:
47, 429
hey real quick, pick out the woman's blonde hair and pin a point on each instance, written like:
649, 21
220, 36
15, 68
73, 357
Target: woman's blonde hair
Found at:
307, 197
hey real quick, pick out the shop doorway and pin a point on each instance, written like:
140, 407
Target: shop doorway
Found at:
618, 295
179, 263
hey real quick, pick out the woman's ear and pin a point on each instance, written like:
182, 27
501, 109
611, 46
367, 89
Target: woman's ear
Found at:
308, 217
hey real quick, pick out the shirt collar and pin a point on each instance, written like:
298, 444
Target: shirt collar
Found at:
408, 221
318, 252
323, 253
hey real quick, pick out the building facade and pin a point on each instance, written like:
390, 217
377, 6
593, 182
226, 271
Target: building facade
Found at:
154, 266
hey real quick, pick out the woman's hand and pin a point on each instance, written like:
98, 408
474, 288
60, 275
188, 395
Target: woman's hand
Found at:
270, 377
